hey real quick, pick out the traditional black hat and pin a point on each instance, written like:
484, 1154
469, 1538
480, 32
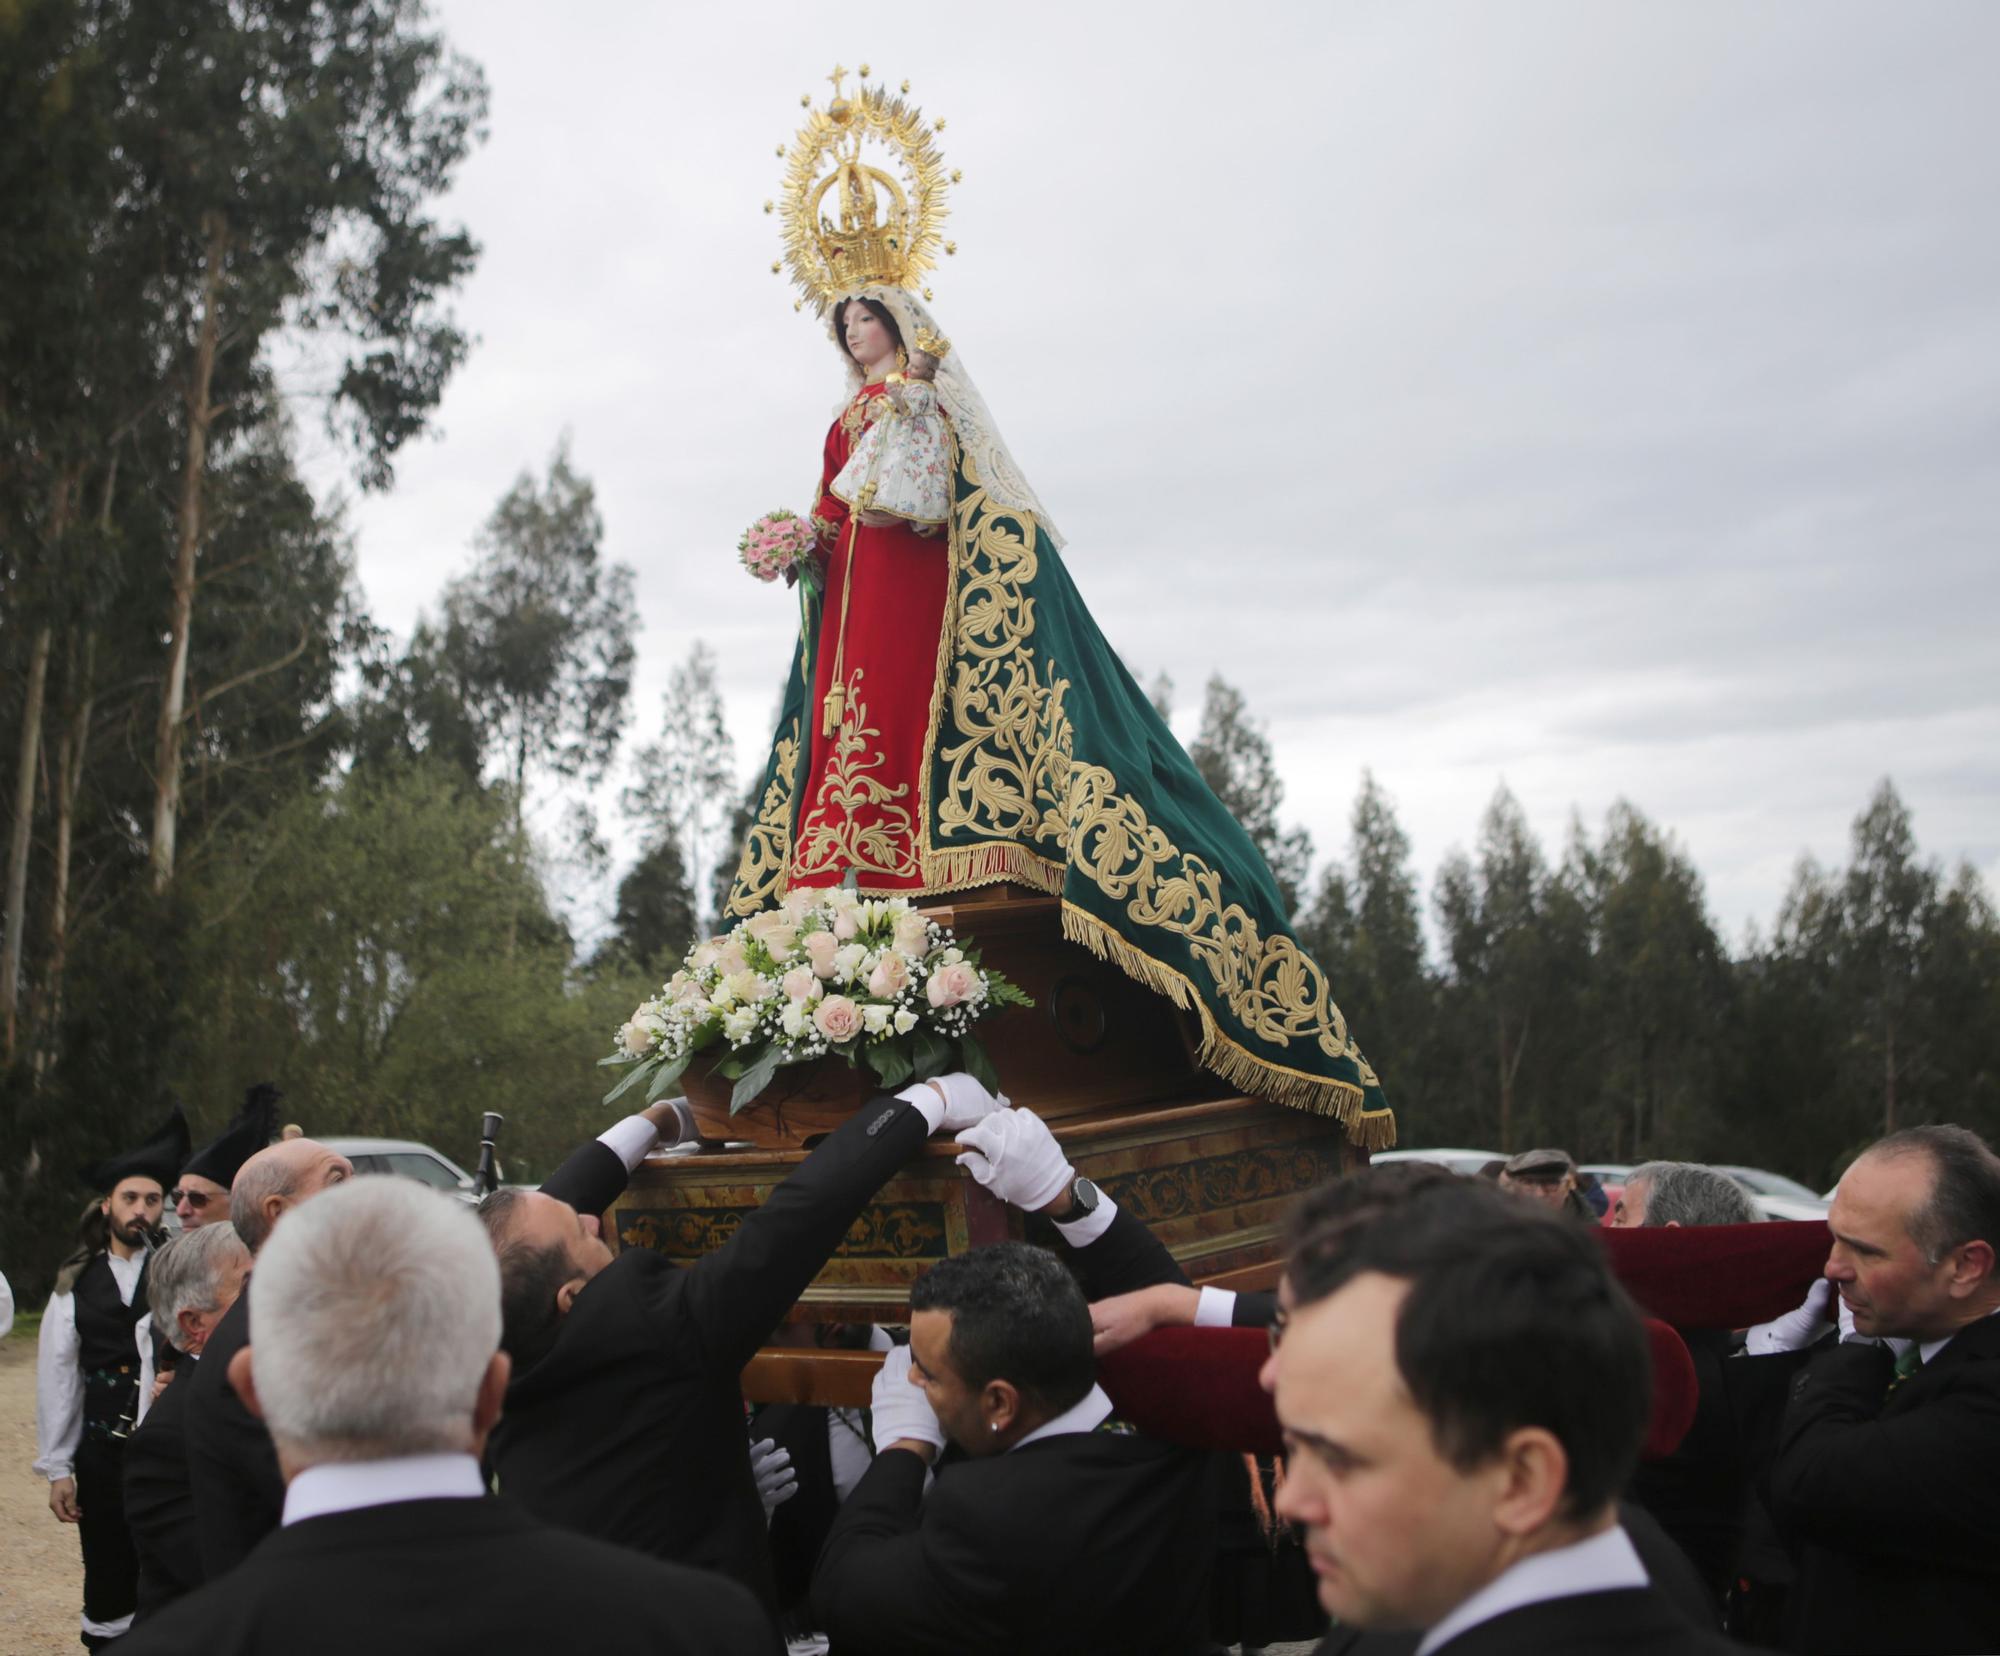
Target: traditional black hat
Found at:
160, 1157
241, 1139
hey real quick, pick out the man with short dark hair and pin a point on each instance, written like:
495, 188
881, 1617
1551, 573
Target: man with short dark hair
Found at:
87, 1370
1887, 1476
1464, 1389
1060, 1530
375, 1365
624, 1418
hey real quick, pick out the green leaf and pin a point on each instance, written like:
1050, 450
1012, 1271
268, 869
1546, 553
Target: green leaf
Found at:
667, 1074
934, 1054
754, 1079
728, 1069
890, 1060
614, 1060
977, 1064
638, 1073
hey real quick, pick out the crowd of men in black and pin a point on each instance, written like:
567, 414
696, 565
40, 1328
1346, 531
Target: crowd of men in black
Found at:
417, 1429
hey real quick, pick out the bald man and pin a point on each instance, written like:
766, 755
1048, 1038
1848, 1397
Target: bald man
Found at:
233, 1474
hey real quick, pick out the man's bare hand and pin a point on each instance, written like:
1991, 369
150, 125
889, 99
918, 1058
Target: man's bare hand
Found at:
160, 1382
1123, 1318
62, 1500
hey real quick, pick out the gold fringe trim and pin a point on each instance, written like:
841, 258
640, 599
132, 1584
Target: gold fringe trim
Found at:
985, 864
1236, 1064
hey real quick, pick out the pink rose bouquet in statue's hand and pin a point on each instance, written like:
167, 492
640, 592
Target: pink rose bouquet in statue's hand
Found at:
780, 543
872, 980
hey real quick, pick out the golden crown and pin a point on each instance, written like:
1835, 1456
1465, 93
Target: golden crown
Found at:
847, 222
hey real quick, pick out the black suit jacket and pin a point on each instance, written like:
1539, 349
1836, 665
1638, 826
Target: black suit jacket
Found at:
632, 1427
232, 1468
1892, 1499
1632, 1621
423, 1577
1091, 1542
159, 1504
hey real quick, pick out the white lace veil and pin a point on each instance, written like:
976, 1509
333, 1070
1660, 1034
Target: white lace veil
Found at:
978, 437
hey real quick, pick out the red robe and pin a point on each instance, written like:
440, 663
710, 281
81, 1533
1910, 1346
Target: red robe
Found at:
862, 802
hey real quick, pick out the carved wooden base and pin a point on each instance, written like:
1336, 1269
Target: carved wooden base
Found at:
1212, 1179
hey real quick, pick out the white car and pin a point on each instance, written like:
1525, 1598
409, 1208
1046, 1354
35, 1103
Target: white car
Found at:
407, 1159
1459, 1161
1776, 1196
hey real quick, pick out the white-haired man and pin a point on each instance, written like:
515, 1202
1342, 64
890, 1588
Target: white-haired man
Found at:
193, 1281
377, 1369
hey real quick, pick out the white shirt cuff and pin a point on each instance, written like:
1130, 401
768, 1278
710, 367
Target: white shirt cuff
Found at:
1215, 1308
925, 1100
1080, 1233
629, 1140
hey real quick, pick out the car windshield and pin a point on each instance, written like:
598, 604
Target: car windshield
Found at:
427, 1168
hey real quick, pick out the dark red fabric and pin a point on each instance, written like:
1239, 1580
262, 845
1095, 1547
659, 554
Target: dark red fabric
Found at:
862, 801
1676, 1391
1196, 1387
1719, 1276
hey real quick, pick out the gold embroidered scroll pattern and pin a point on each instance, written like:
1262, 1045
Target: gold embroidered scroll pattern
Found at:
1009, 727
855, 822
760, 875
1274, 988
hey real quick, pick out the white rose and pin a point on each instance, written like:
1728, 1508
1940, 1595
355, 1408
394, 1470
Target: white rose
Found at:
730, 958
905, 1020
912, 932
875, 1019
746, 985
704, 955
953, 956
741, 1024
846, 925
636, 1039
777, 932
847, 962
792, 1020
837, 1018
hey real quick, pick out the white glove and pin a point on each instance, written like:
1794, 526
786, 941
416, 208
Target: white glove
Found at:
1014, 1155
771, 1466
1850, 1335
902, 1411
966, 1102
1795, 1330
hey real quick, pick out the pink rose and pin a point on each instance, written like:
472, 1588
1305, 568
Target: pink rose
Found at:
890, 977
820, 948
799, 982
731, 959
837, 1018
845, 925
954, 986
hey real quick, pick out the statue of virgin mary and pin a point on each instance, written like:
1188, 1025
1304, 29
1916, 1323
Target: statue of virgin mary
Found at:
953, 717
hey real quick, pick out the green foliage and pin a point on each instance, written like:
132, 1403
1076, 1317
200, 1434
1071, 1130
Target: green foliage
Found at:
684, 779
1234, 757
655, 920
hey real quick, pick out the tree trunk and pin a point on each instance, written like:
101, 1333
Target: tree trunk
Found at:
1889, 1082
173, 695
23, 825
69, 783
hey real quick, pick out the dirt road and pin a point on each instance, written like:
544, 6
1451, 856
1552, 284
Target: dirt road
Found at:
41, 1588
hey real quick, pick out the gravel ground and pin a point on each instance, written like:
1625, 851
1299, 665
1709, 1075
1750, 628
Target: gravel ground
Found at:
41, 1587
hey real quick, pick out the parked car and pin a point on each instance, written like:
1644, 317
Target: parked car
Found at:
1776, 1196
1459, 1161
407, 1159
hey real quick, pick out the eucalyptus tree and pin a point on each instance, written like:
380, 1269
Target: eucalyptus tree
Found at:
1234, 757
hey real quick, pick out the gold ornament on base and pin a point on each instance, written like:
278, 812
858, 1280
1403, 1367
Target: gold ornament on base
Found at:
849, 222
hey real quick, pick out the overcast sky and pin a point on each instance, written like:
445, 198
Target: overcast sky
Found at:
1600, 397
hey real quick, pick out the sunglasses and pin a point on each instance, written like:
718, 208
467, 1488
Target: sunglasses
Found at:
194, 1198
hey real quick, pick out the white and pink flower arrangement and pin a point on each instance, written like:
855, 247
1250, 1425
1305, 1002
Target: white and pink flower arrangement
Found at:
872, 980
779, 543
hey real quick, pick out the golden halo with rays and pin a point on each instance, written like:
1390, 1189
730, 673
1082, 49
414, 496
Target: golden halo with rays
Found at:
863, 196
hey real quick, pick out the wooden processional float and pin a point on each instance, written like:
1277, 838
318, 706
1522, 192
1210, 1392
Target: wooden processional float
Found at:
1107, 1063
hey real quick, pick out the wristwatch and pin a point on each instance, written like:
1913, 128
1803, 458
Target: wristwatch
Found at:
1083, 1198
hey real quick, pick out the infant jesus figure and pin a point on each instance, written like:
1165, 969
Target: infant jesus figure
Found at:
901, 467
